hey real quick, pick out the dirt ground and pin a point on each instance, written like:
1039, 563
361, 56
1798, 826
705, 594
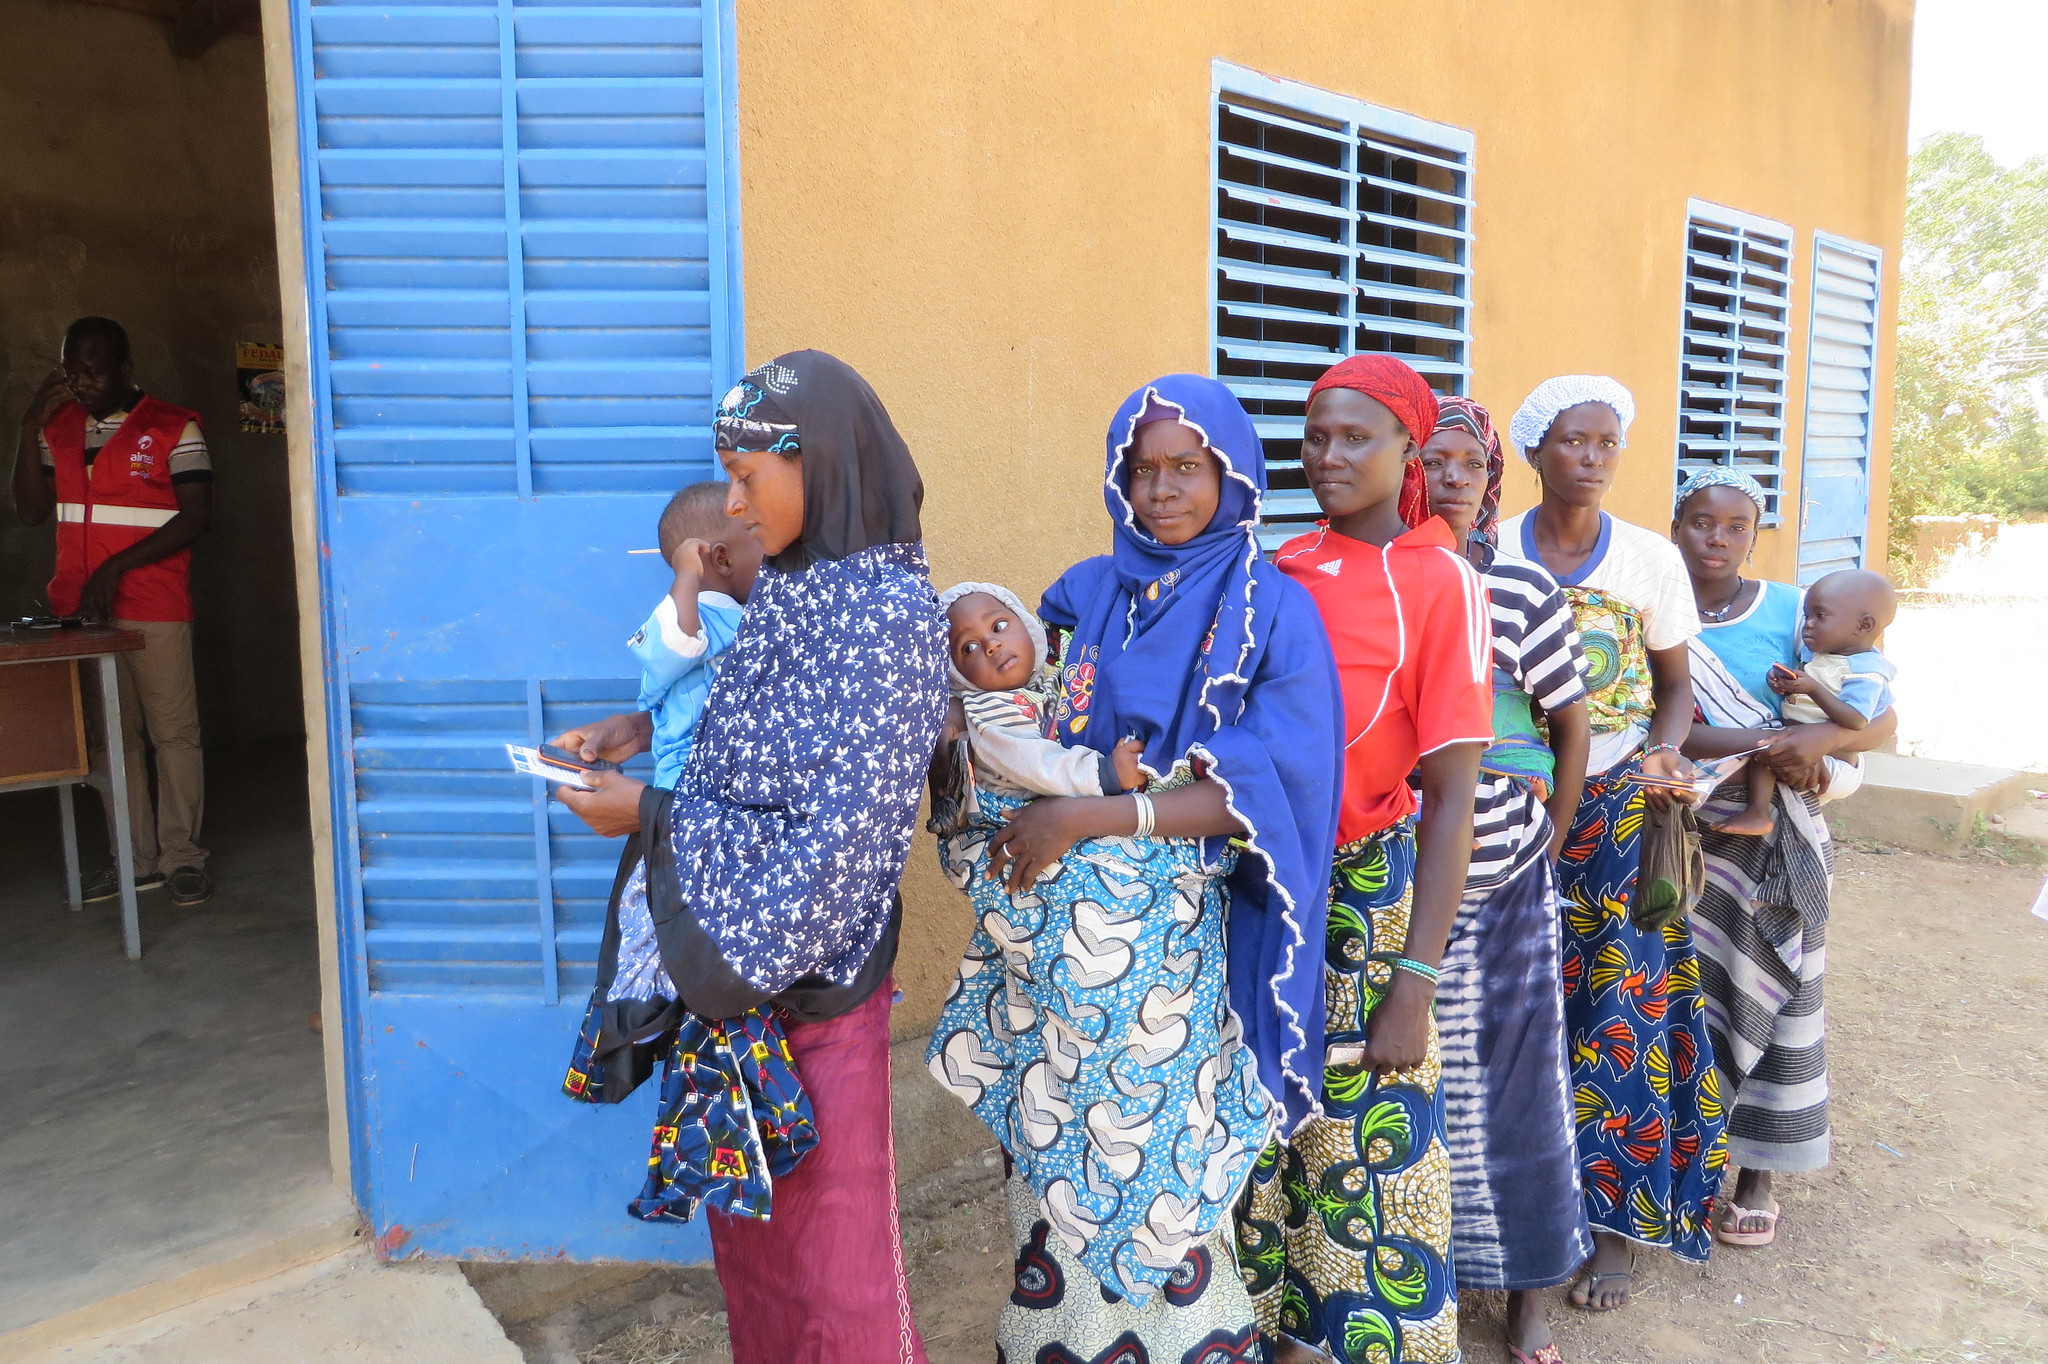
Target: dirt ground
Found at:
1926, 1240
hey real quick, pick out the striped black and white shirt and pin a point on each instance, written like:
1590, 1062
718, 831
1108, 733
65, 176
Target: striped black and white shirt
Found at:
1535, 649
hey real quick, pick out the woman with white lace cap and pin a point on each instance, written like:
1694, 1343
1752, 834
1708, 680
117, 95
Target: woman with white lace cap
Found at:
1646, 1099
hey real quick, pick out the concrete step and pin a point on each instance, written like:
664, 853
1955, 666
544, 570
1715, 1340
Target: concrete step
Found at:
1927, 804
346, 1307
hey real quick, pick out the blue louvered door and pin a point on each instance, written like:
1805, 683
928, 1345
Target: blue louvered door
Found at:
519, 224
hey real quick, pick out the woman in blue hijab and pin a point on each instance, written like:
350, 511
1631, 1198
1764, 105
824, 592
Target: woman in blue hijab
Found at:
1133, 1054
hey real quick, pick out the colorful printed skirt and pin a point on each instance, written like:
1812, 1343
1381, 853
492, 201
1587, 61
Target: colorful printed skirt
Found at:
1345, 1232
1646, 1099
1058, 1313
1088, 1028
1517, 1217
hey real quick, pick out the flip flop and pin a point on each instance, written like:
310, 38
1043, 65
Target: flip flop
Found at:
1592, 1283
1725, 1233
1545, 1354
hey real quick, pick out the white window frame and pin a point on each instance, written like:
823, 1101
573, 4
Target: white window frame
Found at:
1274, 399
1752, 404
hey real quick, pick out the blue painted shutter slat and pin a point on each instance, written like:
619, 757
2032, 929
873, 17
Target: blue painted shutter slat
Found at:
1841, 360
522, 310
1340, 229
1734, 332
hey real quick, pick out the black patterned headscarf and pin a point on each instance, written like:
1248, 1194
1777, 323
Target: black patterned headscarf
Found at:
861, 487
1465, 415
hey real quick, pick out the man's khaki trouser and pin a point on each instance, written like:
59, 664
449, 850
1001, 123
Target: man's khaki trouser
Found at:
157, 697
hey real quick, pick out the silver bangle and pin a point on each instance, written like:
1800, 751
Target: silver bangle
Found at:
1145, 814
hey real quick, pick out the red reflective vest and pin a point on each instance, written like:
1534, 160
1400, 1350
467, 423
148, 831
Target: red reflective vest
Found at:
117, 500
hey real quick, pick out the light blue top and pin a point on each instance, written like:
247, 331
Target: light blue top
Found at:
676, 673
1867, 689
1766, 633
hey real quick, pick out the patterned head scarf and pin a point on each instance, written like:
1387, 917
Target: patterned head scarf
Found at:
861, 487
1034, 629
1409, 397
1552, 396
1722, 478
1462, 414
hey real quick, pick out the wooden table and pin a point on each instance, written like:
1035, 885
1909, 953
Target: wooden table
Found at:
42, 739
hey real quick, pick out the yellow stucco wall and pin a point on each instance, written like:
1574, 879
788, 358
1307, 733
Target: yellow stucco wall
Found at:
1002, 213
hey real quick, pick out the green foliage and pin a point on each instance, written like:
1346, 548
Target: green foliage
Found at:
1967, 434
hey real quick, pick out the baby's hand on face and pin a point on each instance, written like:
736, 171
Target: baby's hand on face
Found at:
1124, 757
690, 557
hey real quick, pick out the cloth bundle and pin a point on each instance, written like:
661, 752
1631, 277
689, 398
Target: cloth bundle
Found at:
733, 1114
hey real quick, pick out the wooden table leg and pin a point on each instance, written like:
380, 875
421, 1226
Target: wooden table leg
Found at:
67, 815
117, 777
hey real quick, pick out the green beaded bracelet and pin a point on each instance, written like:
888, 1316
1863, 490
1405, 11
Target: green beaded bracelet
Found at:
1428, 973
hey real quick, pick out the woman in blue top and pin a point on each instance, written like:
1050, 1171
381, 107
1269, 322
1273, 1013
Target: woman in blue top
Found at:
1140, 1007
1761, 925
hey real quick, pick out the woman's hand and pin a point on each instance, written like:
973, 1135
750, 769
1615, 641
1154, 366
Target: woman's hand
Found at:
1667, 766
955, 725
612, 810
1795, 755
614, 738
1397, 1034
1037, 836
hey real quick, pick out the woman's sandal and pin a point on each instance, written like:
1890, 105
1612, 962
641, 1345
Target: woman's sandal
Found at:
1591, 1284
1544, 1354
1725, 1226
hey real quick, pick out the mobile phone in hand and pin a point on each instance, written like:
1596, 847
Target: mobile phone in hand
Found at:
557, 765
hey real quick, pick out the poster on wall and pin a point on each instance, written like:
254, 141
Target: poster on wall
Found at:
259, 379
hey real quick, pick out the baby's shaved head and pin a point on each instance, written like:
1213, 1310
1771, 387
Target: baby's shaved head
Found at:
1859, 592
697, 511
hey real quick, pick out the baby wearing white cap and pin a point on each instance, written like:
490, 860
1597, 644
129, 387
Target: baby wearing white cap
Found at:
997, 651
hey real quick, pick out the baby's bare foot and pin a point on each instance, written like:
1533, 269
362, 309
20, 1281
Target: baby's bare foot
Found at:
1754, 821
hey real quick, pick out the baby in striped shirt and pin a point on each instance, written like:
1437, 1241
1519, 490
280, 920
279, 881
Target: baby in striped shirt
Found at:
997, 651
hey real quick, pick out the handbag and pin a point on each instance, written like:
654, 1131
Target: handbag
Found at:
1674, 871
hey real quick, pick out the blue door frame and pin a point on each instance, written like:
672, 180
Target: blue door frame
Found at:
521, 236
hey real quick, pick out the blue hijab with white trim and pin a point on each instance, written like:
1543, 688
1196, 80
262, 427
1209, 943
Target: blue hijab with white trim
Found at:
1206, 652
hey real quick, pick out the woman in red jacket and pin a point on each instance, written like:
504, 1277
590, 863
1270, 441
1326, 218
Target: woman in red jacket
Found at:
1345, 1233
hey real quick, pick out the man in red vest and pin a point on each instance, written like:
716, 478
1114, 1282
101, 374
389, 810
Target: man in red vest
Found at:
131, 483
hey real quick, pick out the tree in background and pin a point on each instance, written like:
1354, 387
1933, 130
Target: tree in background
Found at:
1967, 431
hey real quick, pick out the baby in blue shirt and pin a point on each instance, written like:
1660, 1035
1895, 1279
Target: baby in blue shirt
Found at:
682, 643
1844, 678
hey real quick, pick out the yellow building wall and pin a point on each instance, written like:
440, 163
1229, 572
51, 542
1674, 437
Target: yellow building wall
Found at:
1001, 214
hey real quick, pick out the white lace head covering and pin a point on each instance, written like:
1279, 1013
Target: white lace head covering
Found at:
1033, 628
1552, 396
1722, 477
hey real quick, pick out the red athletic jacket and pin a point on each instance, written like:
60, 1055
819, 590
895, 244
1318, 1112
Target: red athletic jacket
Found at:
116, 501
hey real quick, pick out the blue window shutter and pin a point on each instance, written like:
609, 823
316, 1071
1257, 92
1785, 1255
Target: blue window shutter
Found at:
1340, 229
1841, 372
1734, 344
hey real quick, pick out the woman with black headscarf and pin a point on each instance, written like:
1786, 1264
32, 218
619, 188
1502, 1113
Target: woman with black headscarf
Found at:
771, 873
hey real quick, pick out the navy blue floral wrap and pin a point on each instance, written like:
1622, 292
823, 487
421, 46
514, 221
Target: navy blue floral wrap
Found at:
774, 872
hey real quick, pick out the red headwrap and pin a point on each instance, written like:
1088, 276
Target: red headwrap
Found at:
1412, 401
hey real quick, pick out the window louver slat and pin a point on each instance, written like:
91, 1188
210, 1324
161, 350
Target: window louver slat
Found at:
1834, 462
1732, 348
1340, 229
